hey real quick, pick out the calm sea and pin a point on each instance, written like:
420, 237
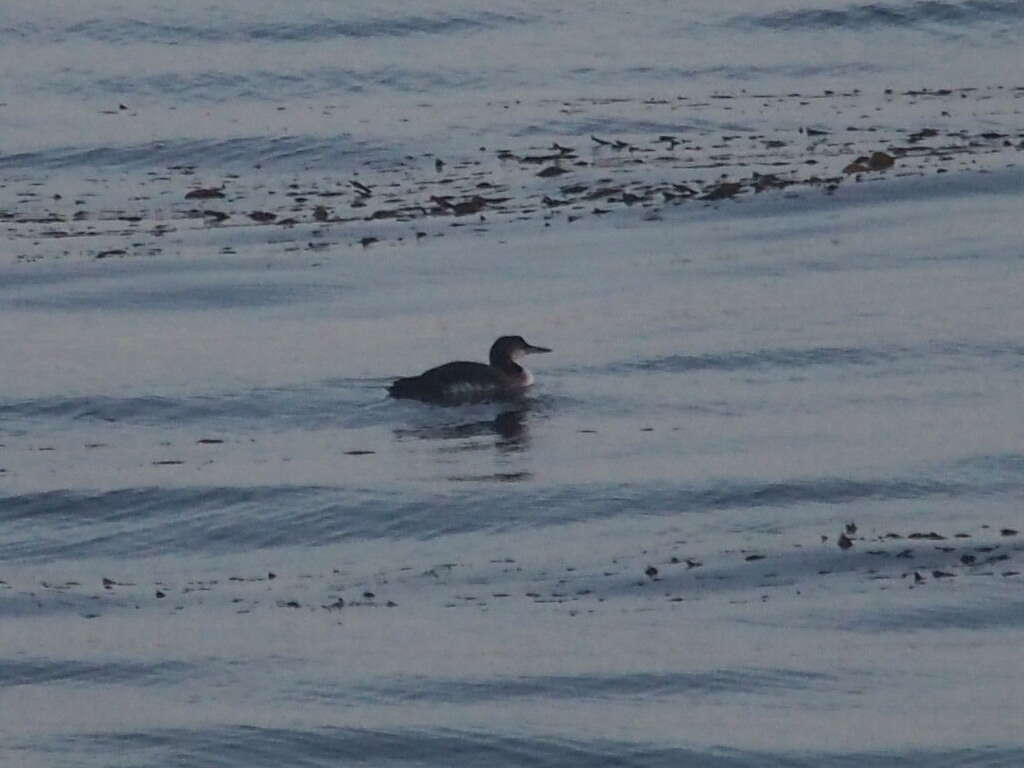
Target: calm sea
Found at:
761, 507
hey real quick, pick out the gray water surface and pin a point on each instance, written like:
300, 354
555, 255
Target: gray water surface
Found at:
221, 544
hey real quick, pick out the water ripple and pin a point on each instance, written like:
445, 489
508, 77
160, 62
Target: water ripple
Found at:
807, 357
46, 671
138, 522
309, 30
860, 17
210, 152
354, 402
215, 746
766, 681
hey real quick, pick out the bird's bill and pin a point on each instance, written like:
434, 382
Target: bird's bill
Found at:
530, 349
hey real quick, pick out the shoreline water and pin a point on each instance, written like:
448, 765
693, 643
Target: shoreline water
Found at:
571, 179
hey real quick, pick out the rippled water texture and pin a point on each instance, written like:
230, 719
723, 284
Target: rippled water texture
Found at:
244, 82
762, 507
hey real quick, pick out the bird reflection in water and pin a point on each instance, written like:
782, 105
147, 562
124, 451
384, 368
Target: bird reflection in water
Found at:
510, 427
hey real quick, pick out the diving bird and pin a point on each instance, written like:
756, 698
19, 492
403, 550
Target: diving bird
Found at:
462, 381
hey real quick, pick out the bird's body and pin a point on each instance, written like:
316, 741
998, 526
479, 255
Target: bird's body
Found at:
463, 381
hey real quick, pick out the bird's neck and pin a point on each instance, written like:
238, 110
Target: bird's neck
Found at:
507, 366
